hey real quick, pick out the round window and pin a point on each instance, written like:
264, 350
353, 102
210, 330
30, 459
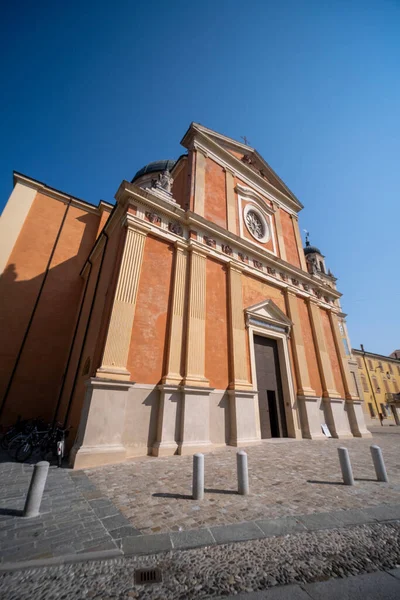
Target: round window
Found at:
256, 223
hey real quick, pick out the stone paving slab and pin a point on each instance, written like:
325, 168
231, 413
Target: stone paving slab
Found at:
281, 526
262, 567
286, 479
70, 523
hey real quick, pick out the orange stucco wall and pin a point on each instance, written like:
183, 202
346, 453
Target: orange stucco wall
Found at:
215, 194
216, 359
40, 370
148, 342
330, 344
292, 254
311, 357
97, 327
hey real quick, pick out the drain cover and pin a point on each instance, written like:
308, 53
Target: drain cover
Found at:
143, 576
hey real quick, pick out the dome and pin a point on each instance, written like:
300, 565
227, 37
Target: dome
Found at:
311, 250
155, 167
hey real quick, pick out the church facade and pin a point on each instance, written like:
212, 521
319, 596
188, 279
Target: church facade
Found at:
187, 316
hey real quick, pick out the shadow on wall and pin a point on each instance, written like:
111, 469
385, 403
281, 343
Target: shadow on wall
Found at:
37, 319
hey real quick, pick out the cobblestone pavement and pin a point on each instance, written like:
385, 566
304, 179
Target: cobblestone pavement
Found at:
75, 517
286, 478
226, 570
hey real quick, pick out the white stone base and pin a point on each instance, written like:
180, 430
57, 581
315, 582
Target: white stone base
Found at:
356, 418
309, 408
99, 438
195, 420
336, 418
242, 412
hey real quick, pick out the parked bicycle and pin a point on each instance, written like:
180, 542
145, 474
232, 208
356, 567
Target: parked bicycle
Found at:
50, 441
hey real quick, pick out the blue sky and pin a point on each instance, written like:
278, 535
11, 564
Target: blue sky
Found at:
90, 92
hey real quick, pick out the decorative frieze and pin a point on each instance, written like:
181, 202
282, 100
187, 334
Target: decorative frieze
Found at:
257, 264
175, 228
283, 276
243, 258
227, 249
295, 282
153, 218
210, 241
271, 270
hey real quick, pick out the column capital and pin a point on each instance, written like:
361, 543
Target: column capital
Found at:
131, 222
196, 248
234, 265
180, 245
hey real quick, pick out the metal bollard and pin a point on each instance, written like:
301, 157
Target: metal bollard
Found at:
242, 473
198, 476
379, 464
36, 488
345, 465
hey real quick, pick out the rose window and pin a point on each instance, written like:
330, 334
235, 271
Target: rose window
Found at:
256, 223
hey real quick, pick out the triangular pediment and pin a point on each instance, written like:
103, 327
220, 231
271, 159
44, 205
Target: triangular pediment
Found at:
269, 313
247, 155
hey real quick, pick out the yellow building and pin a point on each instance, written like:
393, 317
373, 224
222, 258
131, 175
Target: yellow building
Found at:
379, 383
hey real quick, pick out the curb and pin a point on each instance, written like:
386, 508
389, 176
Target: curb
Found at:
141, 545
61, 560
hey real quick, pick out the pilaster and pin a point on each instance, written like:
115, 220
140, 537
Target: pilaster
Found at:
299, 353
119, 333
238, 357
353, 405
279, 233
175, 344
299, 243
342, 357
200, 177
230, 202
196, 329
324, 363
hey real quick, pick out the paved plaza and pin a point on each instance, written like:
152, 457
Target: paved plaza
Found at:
286, 478
299, 525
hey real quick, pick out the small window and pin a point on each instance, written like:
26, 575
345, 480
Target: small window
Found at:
385, 383
321, 266
383, 410
371, 366
371, 409
390, 368
398, 369
359, 362
376, 386
364, 384
380, 365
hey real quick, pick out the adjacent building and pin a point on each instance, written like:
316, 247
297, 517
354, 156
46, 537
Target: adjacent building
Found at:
185, 317
379, 385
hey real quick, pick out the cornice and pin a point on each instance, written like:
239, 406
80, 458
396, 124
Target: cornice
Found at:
247, 193
381, 357
61, 196
200, 140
